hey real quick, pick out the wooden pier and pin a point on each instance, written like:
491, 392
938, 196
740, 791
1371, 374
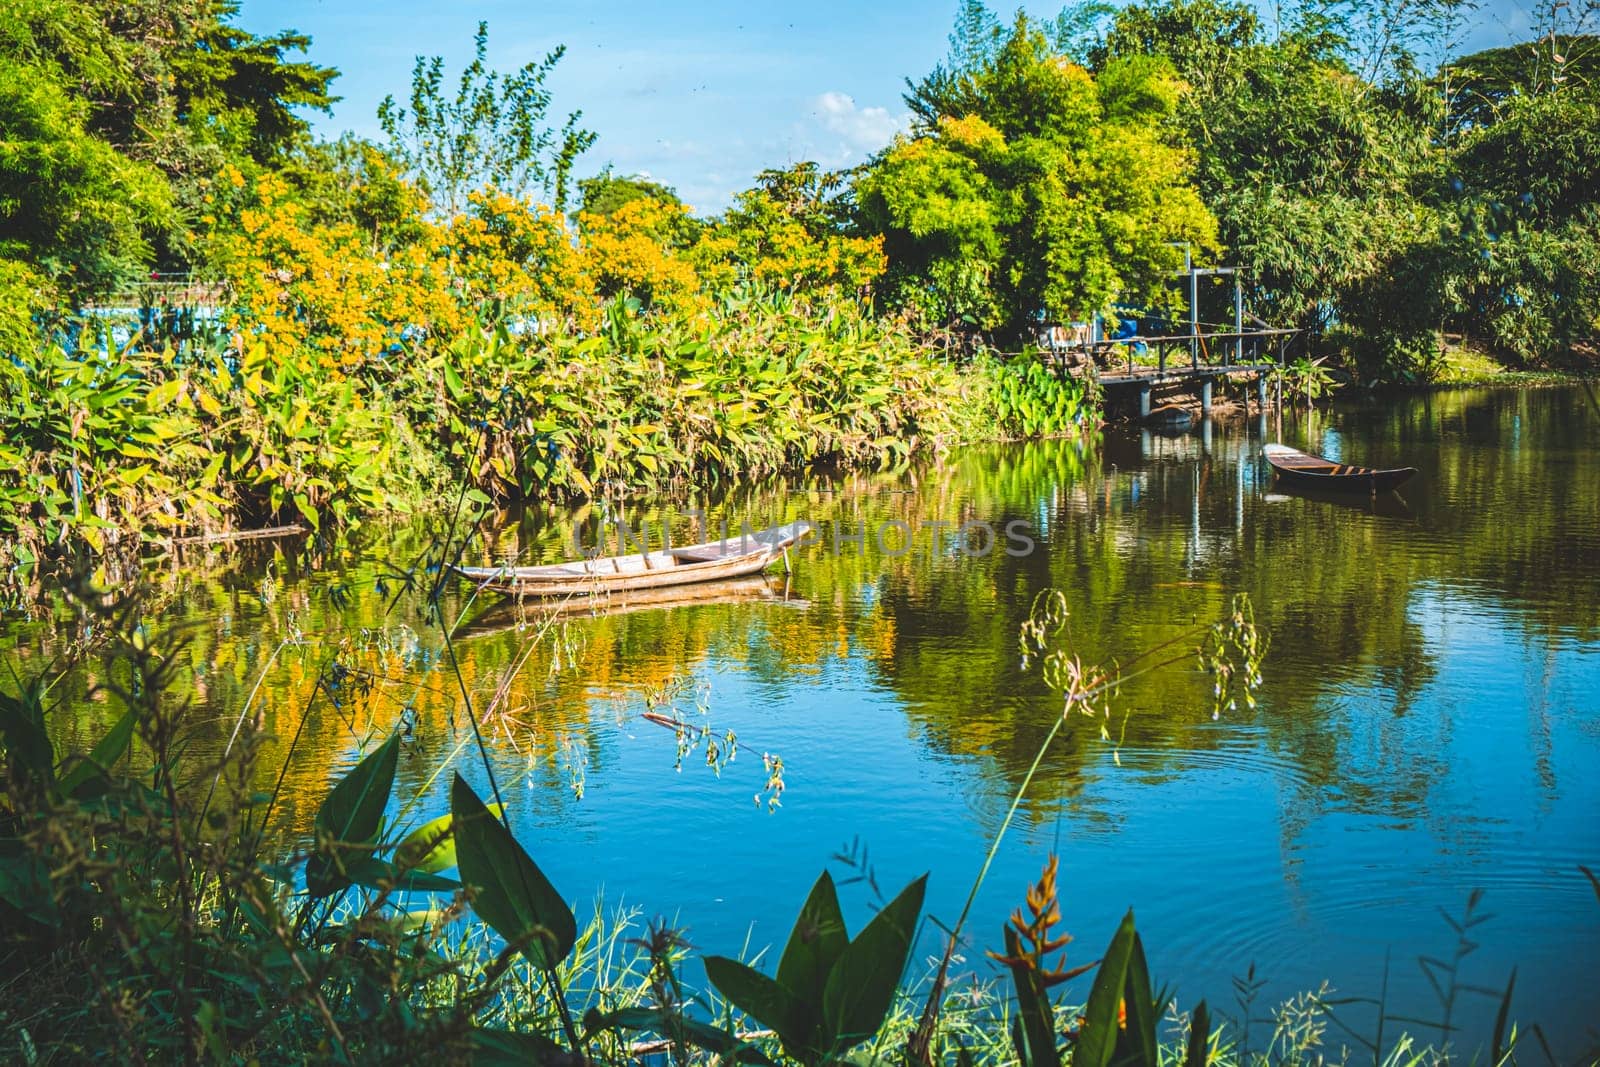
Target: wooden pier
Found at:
1195, 358
1119, 367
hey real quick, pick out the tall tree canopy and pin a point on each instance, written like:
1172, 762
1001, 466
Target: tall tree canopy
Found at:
1032, 188
490, 132
1308, 167
117, 117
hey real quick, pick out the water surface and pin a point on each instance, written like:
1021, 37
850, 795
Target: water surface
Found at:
1428, 725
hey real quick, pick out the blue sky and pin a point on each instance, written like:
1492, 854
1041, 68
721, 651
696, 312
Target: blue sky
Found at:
700, 96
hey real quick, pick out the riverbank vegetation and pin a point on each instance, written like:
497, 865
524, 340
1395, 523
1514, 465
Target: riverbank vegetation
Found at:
212, 320
336, 329
159, 907
1052, 168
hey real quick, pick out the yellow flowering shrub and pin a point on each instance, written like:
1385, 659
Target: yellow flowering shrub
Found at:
759, 239
624, 253
519, 260
318, 294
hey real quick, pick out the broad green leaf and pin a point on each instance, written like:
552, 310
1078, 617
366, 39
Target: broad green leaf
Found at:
763, 999
163, 394
452, 381
660, 1021
23, 734
374, 873
352, 815
1098, 1038
1198, 1049
303, 505
512, 893
863, 981
1035, 1030
431, 847
814, 946
497, 1047
110, 749
25, 886
1136, 1042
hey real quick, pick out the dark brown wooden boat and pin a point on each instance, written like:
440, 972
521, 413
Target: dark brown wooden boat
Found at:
733, 557
1306, 471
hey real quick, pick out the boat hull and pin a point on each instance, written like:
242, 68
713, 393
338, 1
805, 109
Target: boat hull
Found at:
736, 557
511, 615
1305, 471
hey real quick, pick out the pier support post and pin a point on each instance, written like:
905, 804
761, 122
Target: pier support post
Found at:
1238, 317
1205, 396
1261, 390
1144, 401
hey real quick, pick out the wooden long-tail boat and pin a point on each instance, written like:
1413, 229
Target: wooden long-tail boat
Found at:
512, 614
732, 557
1297, 468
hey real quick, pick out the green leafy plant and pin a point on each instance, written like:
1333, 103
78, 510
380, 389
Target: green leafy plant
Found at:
831, 992
1306, 381
491, 132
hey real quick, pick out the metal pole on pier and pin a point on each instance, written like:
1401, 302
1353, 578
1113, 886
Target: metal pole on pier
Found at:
1194, 311
1238, 317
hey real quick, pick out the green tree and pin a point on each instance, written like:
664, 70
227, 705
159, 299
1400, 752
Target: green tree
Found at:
492, 132
606, 192
71, 206
1513, 262
353, 180
1310, 169
1482, 85
165, 84
976, 42
794, 229
1036, 190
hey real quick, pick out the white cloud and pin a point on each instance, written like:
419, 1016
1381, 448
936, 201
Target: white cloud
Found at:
863, 130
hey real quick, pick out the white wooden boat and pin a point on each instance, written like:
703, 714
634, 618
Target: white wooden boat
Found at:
755, 589
733, 557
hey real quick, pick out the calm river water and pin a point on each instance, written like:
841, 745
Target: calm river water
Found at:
1429, 723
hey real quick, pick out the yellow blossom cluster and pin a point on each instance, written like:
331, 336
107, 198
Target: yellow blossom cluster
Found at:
328, 296
319, 294
625, 252
519, 261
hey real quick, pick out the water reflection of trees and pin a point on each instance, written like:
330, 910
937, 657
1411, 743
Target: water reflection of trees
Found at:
1147, 536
